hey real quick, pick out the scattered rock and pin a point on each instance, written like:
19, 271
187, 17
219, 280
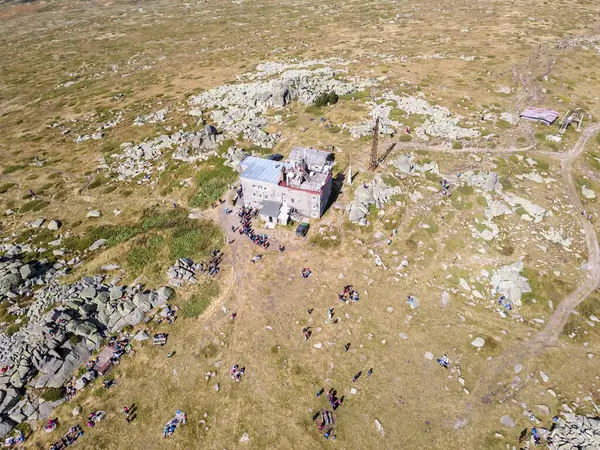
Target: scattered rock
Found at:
478, 342
379, 427
54, 225
507, 421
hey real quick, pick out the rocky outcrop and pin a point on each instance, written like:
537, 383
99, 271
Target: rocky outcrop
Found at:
439, 121
138, 159
576, 432
509, 282
234, 157
377, 193
238, 109
18, 278
65, 324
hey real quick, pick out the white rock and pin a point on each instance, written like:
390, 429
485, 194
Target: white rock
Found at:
428, 355
544, 377
587, 193
379, 427
94, 213
445, 299
478, 342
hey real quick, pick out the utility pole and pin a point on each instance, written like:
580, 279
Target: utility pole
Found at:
374, 146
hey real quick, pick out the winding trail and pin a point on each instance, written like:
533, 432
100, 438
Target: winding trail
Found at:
556, 323
495, 382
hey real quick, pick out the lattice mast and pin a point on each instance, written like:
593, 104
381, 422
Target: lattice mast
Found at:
374, 145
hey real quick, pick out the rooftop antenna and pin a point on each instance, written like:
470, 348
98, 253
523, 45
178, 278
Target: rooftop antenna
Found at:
374, 145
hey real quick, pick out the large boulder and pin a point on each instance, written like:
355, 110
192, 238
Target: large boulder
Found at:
134, 317
27, 271
507, 281
6, 425
163, 295
54, 225
142, 301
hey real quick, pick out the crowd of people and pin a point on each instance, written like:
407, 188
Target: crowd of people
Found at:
348, 294
168, 315
237, 372
213, 266
246, 214
94, 418
69, 438
16, 439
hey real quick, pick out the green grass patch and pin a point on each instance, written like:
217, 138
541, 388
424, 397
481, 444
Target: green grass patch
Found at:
481, 201
98, 181
5, 187
12, 169
355, 95
196, 305
544, 287
318, 240
405, 138
503, 124
456, 145
465, 190
542, 164
34, 205
144, 252
14, 327
433, 228
195, 242
206, 233
53, 394
212, 182
314, 110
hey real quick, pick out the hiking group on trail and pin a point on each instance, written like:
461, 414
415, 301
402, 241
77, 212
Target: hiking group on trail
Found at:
246, 215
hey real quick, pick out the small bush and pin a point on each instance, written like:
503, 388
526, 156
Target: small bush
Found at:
326, 99
456, 145
405, 138
97, 182
5, 187
34, 205
53, 394
24, 428
74, 339
11, 169
196, 305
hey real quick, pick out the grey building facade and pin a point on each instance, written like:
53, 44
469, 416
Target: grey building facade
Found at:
300, 185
